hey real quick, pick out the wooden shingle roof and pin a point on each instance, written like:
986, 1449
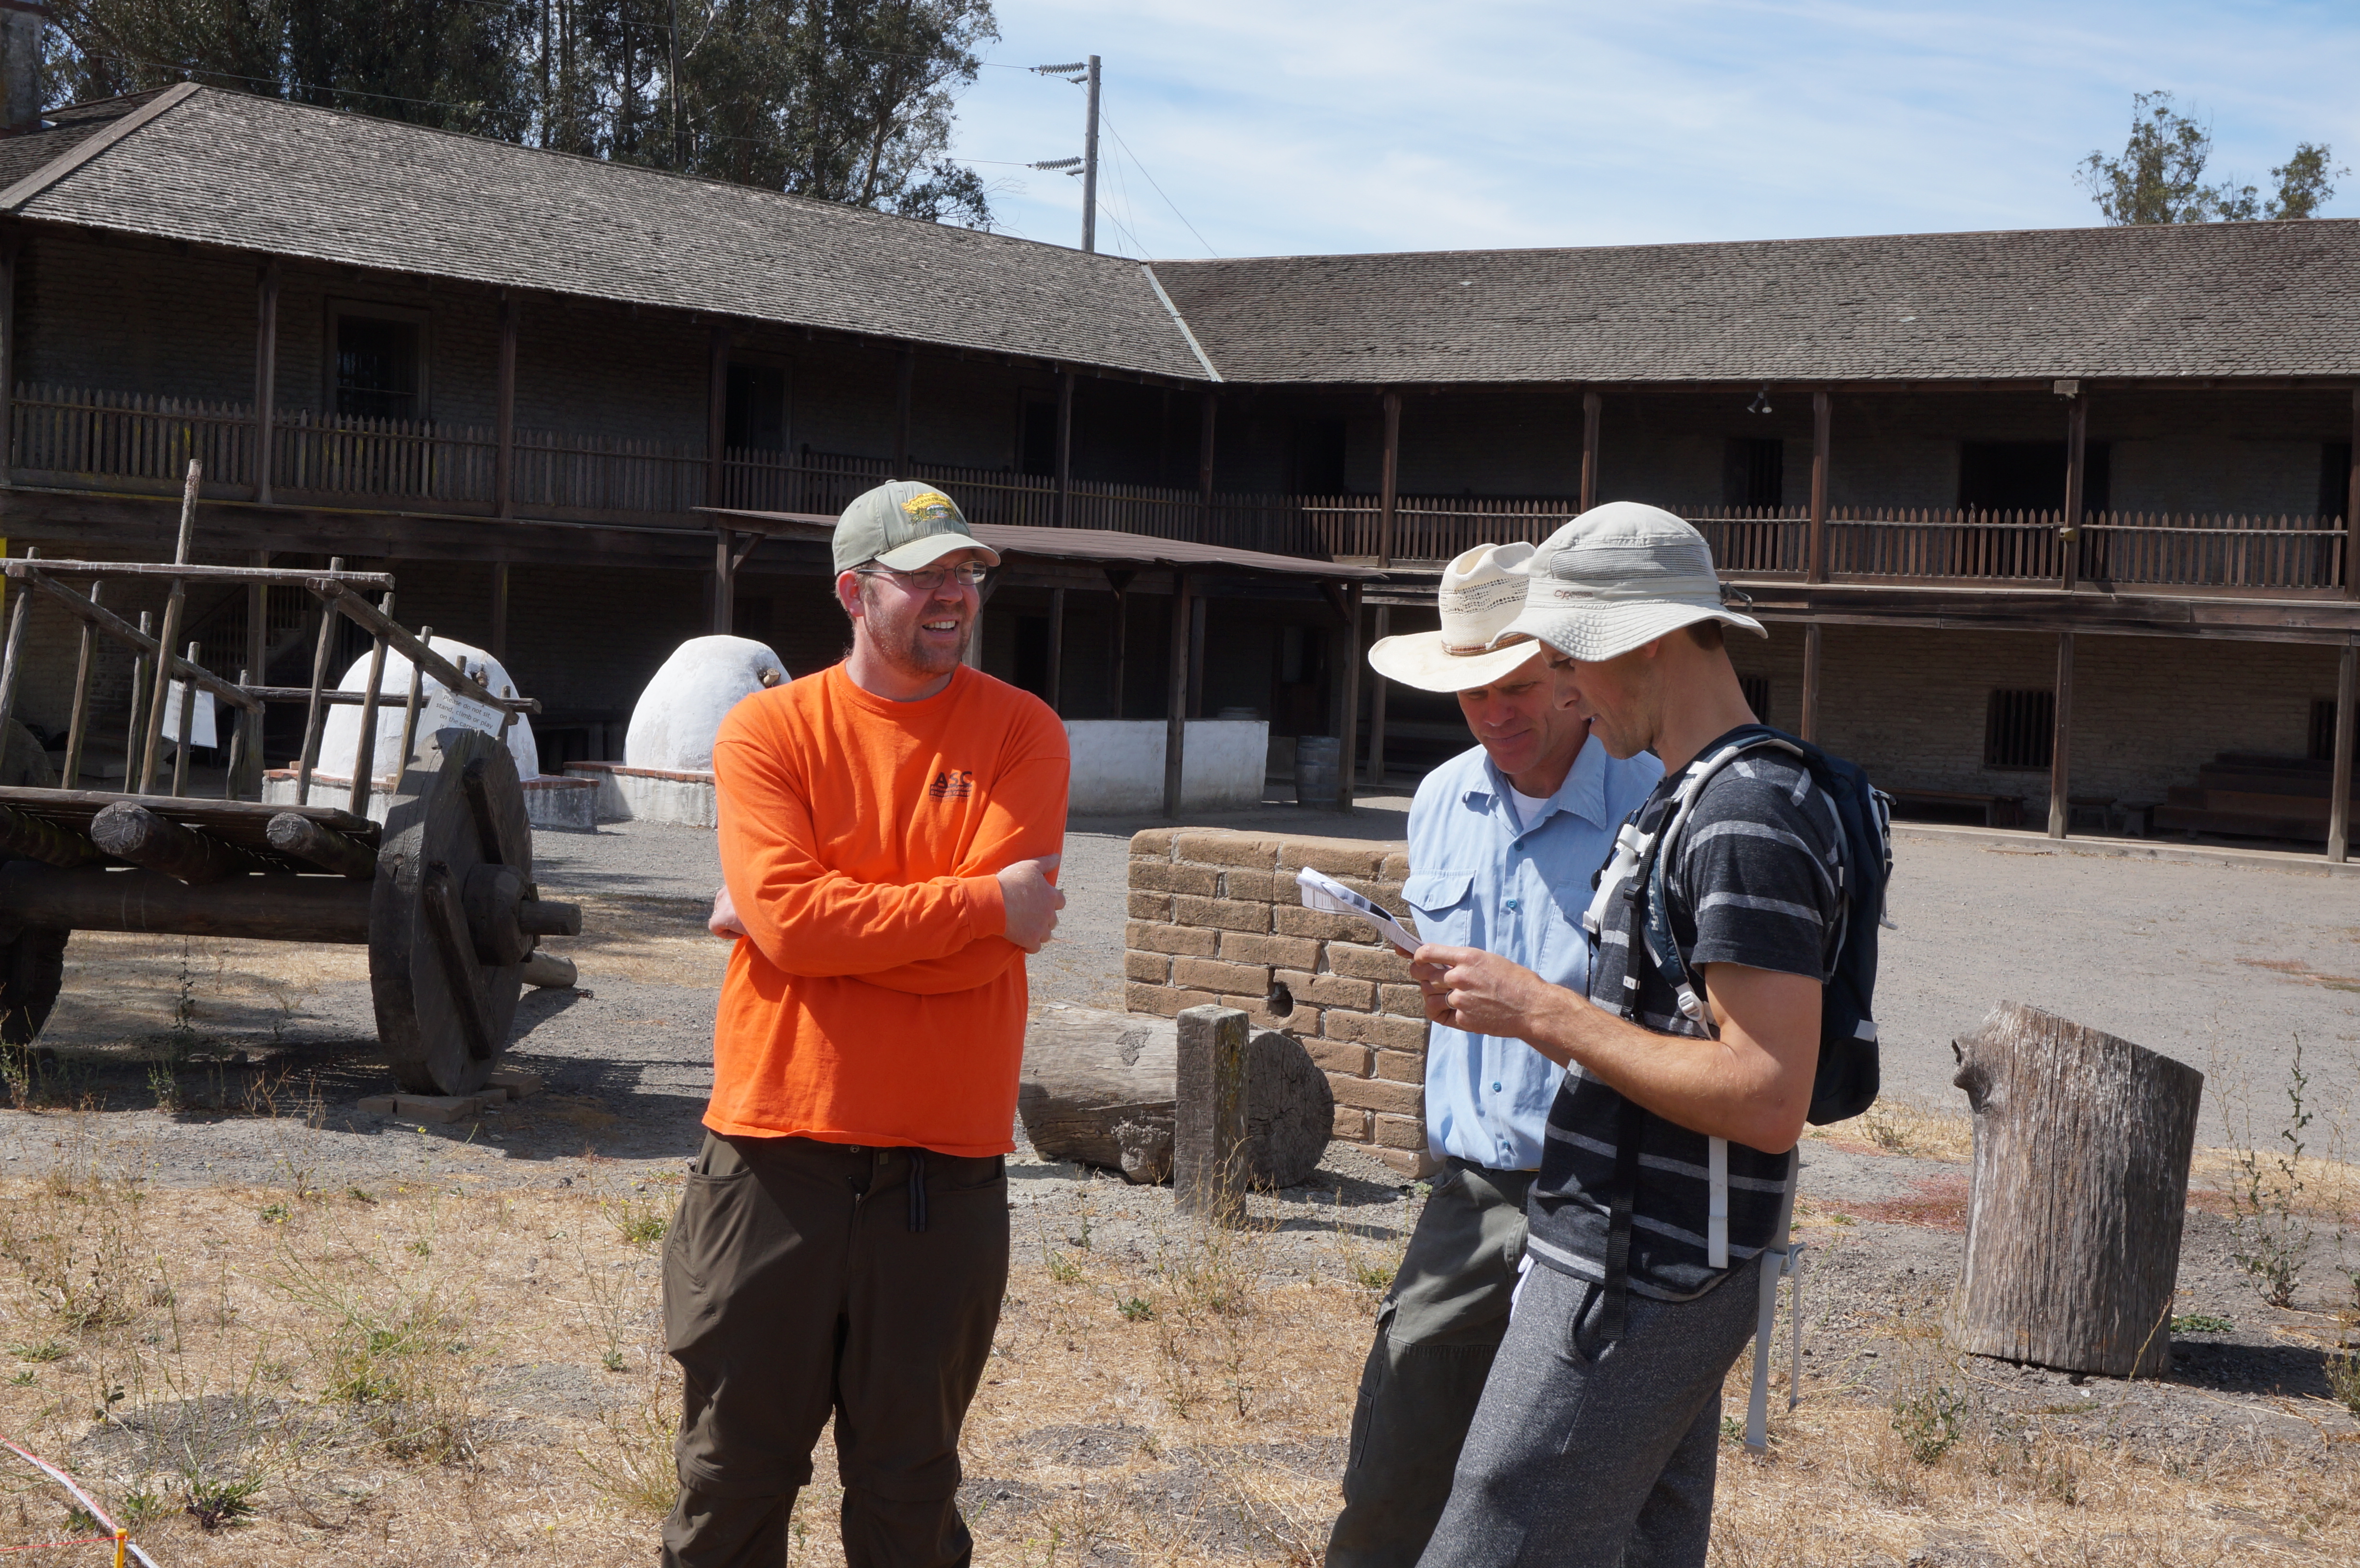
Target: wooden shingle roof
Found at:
2193, 300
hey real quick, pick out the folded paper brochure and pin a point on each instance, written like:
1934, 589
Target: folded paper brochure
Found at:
1330, 896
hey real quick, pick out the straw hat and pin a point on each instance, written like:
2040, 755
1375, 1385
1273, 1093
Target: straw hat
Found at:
1618, 577
1481, 594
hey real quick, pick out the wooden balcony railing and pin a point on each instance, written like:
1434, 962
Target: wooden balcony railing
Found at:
78, 437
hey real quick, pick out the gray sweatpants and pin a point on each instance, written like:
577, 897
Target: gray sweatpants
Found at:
1585, 1456
1436, 1334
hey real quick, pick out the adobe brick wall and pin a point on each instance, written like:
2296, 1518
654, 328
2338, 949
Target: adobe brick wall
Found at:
1215, 919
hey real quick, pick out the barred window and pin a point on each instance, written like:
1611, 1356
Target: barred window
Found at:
2018, 727
2322, 729
1757, 695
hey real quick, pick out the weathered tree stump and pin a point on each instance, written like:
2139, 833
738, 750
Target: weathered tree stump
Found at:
2082, 1144
1100, 1087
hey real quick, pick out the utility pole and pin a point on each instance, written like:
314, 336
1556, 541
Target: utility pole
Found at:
1090, 167
546, 107
671, 79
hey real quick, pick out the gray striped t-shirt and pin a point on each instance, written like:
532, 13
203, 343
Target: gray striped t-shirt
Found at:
1752, 882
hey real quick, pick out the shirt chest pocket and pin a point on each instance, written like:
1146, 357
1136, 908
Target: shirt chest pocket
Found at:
1446, 912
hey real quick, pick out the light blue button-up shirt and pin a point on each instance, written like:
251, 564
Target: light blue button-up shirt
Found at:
1481, 878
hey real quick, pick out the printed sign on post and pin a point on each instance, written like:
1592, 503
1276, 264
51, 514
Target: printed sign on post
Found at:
201, 720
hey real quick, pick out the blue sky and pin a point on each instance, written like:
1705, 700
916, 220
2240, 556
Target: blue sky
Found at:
1288, 126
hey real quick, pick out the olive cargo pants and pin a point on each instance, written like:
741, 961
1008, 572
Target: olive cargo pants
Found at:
1436, 1334
802, 1280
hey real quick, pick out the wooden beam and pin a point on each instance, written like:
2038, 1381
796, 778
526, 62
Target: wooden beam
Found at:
258, 630
266, 379
1211, 406
1388, 479
1821, 419
725, 582
1196, 609
504, 459
1347, 764
2077, 424
2339, 778
2060, 746
717, 413
1592, 405
9, 244
1377, 685
1809, 725
499, 649
1121, 583
1065, 448
1054, 695
1175, 704
2352, 509
905, 376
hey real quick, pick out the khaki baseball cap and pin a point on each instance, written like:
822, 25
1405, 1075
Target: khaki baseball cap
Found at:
904, 524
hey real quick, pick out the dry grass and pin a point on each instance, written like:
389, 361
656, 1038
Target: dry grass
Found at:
417, 1375
1896, 1126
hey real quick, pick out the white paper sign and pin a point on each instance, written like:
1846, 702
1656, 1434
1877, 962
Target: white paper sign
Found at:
200, 722
1330, 896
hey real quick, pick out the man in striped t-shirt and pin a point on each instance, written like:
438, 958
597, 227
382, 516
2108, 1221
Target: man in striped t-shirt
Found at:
1596, 1438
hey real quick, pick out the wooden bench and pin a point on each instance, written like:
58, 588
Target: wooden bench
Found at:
1999, 810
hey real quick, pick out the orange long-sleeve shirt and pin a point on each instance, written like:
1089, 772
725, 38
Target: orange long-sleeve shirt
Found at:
874, 1000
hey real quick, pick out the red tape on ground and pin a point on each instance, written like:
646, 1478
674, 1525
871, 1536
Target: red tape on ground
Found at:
78, 1540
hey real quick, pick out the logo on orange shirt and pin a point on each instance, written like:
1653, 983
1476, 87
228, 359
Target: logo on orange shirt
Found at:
952, 784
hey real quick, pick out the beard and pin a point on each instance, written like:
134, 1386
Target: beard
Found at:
894, 631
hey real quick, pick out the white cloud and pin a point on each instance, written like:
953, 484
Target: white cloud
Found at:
1320, 125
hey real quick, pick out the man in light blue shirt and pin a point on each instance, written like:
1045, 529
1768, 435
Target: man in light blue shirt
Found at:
1503, 840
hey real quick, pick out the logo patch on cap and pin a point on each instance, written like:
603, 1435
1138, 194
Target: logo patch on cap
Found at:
929, 506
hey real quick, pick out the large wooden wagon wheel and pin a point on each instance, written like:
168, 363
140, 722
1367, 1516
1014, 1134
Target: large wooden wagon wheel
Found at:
455, 914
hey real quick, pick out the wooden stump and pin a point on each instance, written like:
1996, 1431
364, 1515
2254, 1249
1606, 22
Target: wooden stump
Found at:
1208, 1125
1101, 1087
2080, 1182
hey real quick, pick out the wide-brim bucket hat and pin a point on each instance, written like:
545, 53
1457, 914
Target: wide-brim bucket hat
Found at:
1481, 592
1618, 577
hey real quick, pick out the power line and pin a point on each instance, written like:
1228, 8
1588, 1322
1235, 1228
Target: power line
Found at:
1151, 180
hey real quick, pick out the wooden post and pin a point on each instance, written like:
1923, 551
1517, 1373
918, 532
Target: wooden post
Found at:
1209, 1114
1808, 726
364, 744
1121, 583
1065, 448
1385, 619
2352, 509
1056, 681
409, 711
12, 662
187, 727
1175, 709
1592, 405
245, 733
2077, 424
139, 724
2060, 745
504, 460
1197, 604
1347, 761
500, 611
9, 242
1388, 481
724, 544
265, 383
2339, 775
2081, 1182
717, 413
1204, 469
175, 606
309, 756
78, 727
904, 375
1821, 419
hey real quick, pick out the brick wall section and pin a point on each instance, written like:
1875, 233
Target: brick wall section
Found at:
1215, 917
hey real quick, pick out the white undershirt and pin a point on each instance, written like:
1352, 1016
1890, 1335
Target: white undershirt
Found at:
1528, 806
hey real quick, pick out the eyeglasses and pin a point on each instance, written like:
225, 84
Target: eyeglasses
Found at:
930, 579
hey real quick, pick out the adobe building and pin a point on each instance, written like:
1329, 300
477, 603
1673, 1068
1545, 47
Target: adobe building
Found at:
2032, 515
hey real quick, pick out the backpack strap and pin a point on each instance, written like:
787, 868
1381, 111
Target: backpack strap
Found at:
1630, 1123
1787, 1258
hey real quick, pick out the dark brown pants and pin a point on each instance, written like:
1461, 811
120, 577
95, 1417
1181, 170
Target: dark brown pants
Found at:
803, 1279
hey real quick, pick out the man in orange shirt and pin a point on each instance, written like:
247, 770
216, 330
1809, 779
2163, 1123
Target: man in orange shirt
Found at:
889, 834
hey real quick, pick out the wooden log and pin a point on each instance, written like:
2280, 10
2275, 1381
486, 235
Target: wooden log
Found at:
268, 909
2082, 1143
549, 972
128, 831
28, 836
298, 837
1100, 1088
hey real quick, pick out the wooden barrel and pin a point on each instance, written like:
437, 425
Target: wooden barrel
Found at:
1316, 759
